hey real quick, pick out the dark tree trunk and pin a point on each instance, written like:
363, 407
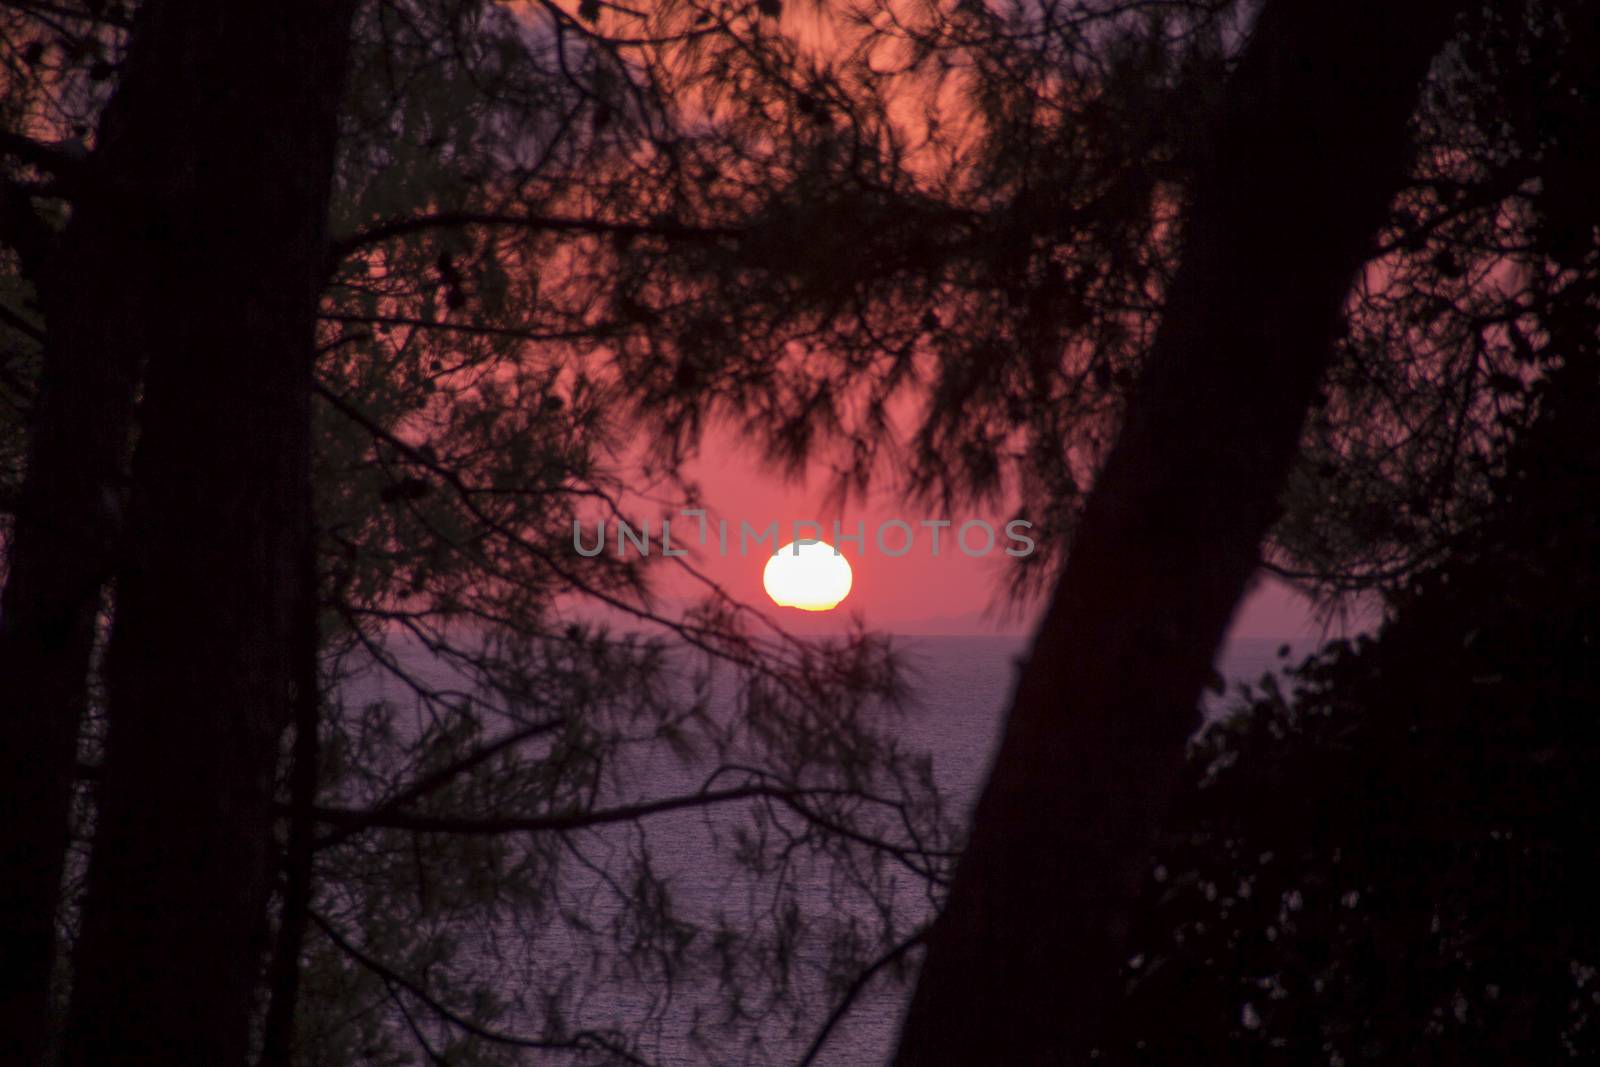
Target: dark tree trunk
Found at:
294, 918
59, 558
97, 290
1307, 154
202, 665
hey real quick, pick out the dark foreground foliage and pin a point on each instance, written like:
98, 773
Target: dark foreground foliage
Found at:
1393, 862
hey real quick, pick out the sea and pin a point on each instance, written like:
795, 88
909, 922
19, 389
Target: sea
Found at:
959, 686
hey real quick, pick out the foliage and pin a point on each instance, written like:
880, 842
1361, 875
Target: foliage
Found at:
1391, 861
928, 240
487, 844
490, 868
1487, 253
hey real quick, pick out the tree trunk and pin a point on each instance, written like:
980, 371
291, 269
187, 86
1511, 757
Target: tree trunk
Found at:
96, 291
294, 918
59, 557
1307, 154
201, 666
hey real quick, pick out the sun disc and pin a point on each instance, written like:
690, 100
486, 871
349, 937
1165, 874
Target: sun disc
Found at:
808, 575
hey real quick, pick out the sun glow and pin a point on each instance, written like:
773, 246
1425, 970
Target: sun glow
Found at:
808, 575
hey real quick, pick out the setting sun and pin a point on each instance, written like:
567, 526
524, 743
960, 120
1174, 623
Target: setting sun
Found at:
807, 575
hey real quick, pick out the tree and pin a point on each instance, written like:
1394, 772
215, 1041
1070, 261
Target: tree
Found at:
466, 420
1023, 960
1441, 341
1390, 860
552, 229
442, 534
59, 543
218, 520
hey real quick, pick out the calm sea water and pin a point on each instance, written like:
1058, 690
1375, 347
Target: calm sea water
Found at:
960, 687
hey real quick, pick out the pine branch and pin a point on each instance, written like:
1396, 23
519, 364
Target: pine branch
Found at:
391, 819
581, 1040
439, 778
915, 857
380, 232
857, 987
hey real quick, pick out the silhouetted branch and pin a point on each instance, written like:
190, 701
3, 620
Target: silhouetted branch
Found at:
557, 821
697, 637
64, 161
856, 989
583, 1039
58, 17
439, 778
388, 231
20, 324
473, 329
411, 1024
350, 821
915, 856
